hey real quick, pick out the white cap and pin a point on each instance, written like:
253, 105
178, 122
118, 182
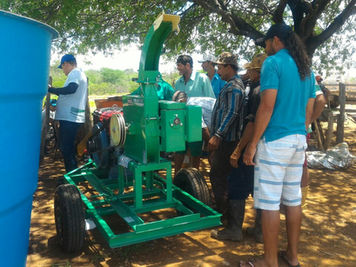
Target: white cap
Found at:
207, 58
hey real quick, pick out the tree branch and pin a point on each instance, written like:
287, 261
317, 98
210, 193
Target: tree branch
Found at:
237, 24
278, 13
305, 30
313, 42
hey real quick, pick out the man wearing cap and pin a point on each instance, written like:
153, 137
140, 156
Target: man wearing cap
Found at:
70, 109
224, 128
208, 65
194, 84
240, 179
287, 98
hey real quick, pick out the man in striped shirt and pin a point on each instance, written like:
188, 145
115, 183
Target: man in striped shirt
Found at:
224, 128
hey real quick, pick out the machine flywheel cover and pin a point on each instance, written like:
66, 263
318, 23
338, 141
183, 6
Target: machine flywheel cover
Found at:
117, 130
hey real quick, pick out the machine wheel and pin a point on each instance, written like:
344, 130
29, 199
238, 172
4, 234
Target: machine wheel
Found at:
70, 218
192, 181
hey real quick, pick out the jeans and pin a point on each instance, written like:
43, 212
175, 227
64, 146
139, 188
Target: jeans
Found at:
67, 135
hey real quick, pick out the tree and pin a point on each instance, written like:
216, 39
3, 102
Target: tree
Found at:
326, 27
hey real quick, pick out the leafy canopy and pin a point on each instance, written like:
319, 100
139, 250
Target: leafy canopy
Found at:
326, 27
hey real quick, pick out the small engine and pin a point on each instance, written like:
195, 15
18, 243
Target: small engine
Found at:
108, 133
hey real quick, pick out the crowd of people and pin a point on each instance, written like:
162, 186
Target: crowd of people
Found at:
254, 129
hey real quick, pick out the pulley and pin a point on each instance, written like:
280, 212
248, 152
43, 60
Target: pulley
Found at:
117, 130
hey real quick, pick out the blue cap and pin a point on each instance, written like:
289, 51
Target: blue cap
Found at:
281, 30
67, 58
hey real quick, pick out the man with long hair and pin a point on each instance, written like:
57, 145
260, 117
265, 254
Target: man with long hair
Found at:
287, 98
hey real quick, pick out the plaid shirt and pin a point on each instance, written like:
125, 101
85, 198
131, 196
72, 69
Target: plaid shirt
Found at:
224, 120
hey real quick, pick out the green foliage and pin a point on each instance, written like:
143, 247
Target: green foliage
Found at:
101, 82
206, 25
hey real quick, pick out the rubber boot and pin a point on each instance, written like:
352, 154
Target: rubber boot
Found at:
233, 230
256, 231
222, 206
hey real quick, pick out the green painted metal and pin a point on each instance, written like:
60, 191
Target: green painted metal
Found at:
152, 126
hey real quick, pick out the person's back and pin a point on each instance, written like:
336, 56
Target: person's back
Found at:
280, 71
71, 107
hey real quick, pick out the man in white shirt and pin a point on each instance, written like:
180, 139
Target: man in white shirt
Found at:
70, 109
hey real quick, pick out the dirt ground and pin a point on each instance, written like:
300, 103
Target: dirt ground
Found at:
328, 235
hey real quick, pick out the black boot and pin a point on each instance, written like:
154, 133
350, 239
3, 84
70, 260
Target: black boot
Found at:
256, 231
233, 230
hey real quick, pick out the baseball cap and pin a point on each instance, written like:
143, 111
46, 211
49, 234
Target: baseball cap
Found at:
67, 58
256, 62
206, 58
281, 30
227, 58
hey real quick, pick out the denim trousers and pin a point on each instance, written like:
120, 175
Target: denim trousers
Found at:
67, 134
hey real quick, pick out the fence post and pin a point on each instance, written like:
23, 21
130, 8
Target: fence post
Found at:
341, 117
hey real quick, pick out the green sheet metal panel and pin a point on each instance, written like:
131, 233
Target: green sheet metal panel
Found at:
135, 145
172, 127
193, 125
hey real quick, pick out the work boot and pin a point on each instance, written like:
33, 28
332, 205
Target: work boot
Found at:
256, 231
222, 206
233, 230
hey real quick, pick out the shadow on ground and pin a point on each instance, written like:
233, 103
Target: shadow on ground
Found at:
328, 236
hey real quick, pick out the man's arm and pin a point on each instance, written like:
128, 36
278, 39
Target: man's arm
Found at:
245, 139
71, 88
263, 116
309, 112
319, 105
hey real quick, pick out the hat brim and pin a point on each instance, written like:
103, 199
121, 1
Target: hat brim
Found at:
60, 66
261, 42
247, 66
224, 63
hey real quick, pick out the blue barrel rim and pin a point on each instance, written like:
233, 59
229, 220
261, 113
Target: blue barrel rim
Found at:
52, 30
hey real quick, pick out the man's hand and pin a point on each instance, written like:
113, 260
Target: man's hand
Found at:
249, 154
214, 143
234, 158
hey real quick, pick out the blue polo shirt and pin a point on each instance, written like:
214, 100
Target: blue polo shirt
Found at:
279, 72
217, 83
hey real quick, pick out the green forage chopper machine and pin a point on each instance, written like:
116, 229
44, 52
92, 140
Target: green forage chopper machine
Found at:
125, 175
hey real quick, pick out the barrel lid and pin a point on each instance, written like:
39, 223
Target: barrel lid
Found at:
41, 24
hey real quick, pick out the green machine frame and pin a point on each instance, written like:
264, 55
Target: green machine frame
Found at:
152, 126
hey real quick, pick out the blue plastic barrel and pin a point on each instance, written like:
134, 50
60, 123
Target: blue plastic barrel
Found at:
25, 47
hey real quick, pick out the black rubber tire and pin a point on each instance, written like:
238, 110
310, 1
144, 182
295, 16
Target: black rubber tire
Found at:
192, 181
70, 218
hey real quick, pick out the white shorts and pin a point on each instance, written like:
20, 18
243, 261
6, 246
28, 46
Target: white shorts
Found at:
278, 172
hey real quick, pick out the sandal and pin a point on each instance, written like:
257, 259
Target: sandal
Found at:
283, 255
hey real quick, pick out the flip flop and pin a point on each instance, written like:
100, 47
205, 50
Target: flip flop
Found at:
249, 263
283, 255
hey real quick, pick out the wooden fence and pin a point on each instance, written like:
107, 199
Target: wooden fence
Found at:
347, 95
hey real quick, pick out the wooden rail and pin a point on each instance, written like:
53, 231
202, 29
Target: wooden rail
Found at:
347, 95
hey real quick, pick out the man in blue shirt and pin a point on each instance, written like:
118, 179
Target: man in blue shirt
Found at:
287, 98
208, 65
194, 84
